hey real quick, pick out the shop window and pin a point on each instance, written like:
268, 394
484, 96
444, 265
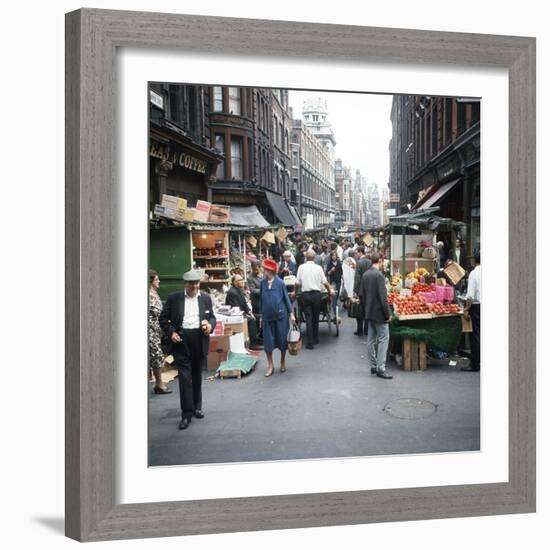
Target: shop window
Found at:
235, 105
237, 158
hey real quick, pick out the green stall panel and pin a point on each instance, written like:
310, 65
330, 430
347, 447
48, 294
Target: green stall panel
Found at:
170, 255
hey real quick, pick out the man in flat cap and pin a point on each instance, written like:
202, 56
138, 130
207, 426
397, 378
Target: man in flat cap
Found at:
188, 319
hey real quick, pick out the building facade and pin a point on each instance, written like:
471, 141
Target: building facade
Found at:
182, 159
250, 128
435, 158
313, 181
343, 195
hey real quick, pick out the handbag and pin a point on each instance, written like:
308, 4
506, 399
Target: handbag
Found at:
294, 339
354, 310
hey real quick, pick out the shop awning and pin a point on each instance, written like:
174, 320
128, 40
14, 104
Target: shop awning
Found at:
280, 209
248, 216
432, 198
298, 224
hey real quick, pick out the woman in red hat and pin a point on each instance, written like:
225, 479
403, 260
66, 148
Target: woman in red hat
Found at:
276, 311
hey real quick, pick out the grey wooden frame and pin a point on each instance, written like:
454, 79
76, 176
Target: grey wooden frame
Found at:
92, 39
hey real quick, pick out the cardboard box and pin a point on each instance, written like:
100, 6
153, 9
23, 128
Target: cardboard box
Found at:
219, 329
202, 211
214, 358
236, 328
177, 203
454, 273
219, 214
219, 343
466, 323
189, 215
176, 214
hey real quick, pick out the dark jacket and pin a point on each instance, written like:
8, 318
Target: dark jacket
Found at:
335, 277
254, 287
362, 266
291, 268
235, 297
173, 312
463, 258
374, 297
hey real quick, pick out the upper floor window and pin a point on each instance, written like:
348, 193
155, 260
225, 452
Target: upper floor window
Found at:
235, 106
237, 158
218, 98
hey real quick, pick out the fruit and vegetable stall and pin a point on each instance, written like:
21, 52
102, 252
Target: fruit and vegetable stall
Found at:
425, 312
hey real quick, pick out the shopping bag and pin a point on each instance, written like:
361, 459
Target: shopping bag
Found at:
294, 339
354, 310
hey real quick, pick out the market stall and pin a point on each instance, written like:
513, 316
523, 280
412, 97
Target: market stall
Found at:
425, 313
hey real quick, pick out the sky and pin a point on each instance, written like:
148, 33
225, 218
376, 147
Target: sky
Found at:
362, 129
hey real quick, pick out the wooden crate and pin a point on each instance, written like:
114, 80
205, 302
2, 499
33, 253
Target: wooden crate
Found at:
414, 355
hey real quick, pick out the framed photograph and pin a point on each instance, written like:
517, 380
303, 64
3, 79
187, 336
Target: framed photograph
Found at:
300, 155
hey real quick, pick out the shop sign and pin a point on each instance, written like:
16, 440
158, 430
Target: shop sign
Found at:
394, 197
156, 99
184, 160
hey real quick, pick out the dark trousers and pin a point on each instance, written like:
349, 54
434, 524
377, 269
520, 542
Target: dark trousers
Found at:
252, 330
475, 314
188, 358
362, 324
311, 306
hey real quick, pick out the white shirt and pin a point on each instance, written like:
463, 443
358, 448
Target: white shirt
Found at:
340, 252
457, 252
474, 285
310, 276
191, 318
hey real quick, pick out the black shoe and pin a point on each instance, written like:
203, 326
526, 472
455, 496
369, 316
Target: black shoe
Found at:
357, 333
309, 346
384, 374
161, 391
316, 342
198, 414
184, 424
373, 370
469, 369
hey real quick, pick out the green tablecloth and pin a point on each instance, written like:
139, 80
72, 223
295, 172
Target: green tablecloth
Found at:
442, 334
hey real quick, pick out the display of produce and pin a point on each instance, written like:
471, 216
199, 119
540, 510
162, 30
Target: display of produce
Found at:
410, 305
396, 279
439, 308
421, 287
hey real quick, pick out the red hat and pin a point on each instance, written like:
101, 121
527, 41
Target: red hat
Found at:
270, 264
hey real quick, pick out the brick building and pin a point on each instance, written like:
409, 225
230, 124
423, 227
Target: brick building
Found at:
435, 158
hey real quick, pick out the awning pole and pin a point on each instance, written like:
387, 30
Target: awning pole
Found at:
403, 259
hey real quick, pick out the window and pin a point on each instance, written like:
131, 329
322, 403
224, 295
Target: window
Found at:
219, 144
218, 98
237, 158
235, 101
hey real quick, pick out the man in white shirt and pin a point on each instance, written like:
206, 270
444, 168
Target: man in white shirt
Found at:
473, 307
310, 279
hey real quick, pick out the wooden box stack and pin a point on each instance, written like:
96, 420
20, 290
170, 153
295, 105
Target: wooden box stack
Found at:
414, 355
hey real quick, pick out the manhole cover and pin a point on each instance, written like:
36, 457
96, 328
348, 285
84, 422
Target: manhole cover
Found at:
410, 408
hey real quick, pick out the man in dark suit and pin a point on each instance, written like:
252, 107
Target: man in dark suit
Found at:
187, 319
363, 263
458, 255
372, 289
235, 297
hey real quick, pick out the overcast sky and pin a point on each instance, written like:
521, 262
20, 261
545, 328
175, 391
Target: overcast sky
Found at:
362, 129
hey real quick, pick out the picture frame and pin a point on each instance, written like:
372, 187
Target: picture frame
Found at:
92, 39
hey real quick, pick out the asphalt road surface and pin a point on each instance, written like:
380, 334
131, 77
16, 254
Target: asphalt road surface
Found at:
327, 404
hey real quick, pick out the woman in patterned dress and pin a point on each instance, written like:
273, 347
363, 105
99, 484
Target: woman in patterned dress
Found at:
156, 356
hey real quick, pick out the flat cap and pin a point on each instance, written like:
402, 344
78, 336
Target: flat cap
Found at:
193, 275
